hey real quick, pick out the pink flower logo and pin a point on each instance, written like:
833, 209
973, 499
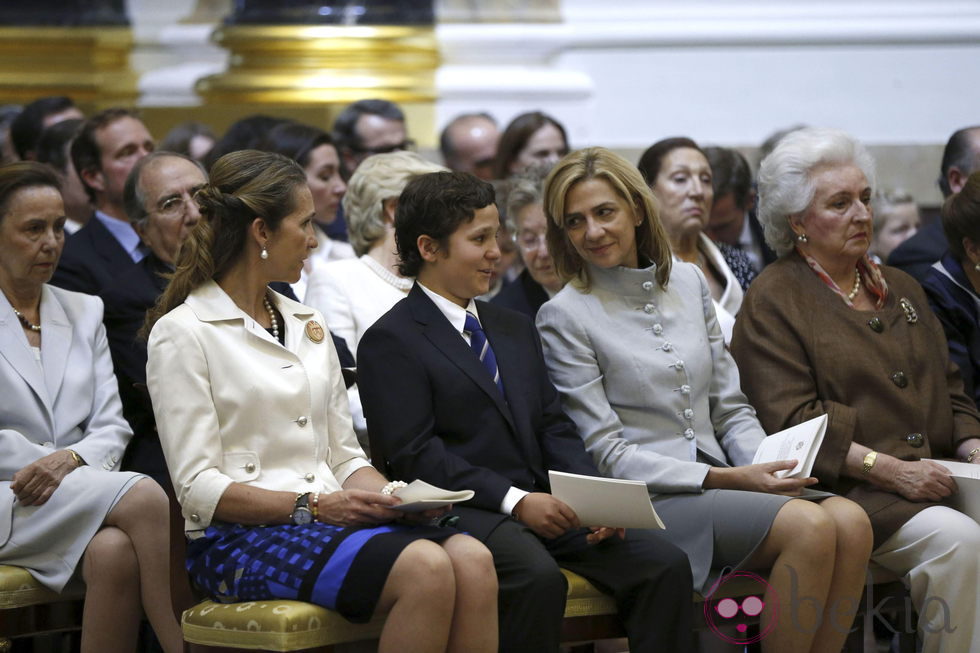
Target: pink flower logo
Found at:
737, 599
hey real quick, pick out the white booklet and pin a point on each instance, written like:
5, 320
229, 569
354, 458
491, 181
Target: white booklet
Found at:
606, 501
800, 443
967, 477
419, 495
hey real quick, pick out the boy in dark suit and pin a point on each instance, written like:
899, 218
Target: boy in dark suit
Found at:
456, 393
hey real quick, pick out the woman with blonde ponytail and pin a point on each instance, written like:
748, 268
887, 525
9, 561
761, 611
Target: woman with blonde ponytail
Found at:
278, 498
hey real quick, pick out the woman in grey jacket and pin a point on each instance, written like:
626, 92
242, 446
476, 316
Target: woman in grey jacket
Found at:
634, 348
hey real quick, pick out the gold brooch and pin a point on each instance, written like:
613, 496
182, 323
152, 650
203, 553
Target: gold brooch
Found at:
910, 315
314, 331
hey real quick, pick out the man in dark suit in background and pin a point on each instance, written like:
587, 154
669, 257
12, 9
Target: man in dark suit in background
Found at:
104, 152
960, 158
456, 393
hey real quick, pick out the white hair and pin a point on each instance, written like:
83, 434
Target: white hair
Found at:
786, 177
378, 178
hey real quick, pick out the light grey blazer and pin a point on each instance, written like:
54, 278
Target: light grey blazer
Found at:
645, 375
71, 401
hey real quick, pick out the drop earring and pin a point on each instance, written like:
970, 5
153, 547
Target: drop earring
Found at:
976, 266
264, 254
802, 238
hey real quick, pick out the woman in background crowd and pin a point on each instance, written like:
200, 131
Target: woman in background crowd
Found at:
313, 150
953, 283
353, 293
252, 413
633, 346
525, 214
679, 175
532, 138
65, 513
191, 138
825, 331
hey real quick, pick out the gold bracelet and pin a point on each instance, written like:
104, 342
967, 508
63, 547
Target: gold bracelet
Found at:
973, 454
315, 505
74, 456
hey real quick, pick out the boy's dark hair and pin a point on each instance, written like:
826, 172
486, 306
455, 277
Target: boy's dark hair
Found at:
435, 205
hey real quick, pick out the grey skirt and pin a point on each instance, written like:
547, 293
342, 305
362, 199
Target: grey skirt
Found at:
49, 540
720, 529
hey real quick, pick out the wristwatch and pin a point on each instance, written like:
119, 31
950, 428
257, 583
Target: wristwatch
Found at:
301, 510
869, 461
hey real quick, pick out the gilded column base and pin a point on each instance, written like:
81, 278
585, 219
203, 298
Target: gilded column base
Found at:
90, 64
298, 64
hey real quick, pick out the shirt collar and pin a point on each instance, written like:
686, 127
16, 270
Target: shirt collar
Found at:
123, 232
455, 313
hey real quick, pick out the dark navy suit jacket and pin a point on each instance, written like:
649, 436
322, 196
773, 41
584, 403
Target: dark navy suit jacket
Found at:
917, 254
91, 260
524, 295
956, 305
434, 413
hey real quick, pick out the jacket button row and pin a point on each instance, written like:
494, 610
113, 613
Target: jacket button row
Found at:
250, 467
310, 478
899, 379
915, 440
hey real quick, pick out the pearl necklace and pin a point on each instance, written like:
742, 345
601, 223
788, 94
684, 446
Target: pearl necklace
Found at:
272, 317
857, 285
36, 328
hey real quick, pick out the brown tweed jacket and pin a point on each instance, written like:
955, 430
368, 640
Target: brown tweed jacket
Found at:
883, 377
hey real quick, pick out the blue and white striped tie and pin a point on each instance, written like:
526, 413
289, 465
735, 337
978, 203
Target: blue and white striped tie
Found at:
481, 347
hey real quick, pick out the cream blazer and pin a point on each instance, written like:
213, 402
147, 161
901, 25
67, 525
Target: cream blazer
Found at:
233, 405
71, 400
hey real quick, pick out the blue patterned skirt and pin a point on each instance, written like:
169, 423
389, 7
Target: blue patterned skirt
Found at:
343, 569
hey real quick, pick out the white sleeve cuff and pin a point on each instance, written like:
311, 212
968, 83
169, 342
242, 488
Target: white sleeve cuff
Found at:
511, 499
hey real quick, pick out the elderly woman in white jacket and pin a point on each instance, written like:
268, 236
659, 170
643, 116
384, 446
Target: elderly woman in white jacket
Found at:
635, 350
66, 513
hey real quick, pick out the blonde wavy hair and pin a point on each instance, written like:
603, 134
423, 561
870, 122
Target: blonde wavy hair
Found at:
626, 181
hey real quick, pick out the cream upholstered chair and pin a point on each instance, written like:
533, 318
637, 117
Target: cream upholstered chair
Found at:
27, 608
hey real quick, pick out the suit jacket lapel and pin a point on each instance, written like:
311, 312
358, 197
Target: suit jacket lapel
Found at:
56, 333
16, 350
513, 366
107, 247
441, 334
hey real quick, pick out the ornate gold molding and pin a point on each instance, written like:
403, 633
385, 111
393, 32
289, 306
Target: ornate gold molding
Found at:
297, 64
90, 64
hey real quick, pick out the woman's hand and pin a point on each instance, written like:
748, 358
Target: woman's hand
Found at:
757, 478
34, 484
917, 480
357, 508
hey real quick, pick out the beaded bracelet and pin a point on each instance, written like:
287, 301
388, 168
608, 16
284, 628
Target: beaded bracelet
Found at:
392, 486
315, 504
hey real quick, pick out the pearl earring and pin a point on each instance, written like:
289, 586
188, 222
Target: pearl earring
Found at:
976, 266
264, 254
802, 238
